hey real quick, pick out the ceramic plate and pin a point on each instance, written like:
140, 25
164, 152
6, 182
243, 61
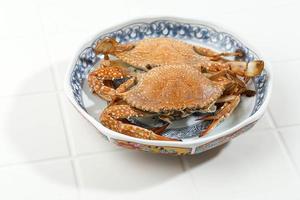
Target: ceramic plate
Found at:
186, 130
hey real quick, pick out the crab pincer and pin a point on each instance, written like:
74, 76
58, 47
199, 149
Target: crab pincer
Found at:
97, 80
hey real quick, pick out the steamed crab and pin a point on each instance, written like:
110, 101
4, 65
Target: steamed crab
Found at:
153, 52
178, 80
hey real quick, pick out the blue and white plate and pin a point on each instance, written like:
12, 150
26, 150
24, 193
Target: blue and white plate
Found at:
249, 111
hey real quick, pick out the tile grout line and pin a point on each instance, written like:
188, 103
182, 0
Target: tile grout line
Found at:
58, 158
83, 155
283, 144
30, 94
291, 60
293, 163
247, 9
54, 78
287, 126
69, 141
186, 169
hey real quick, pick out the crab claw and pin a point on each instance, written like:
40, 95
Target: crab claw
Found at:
245, 69
241, 68
112, 118
98, 78
106, 46
111, 46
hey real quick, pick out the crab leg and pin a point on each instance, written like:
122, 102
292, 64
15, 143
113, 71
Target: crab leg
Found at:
228, 74
97, 78
112, 118
234, 86
161, 129
230, 104
215, 55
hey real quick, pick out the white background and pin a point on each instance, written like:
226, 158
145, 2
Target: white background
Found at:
48, 151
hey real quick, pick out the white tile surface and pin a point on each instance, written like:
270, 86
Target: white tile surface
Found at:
85, 138
270, 29
264, 123
60, 70
46, 181
31, 129
284, 104
291, 138
25, 66
101, 14
77, 19
19, 19
250, 167
38, 42
63, 48
134, 175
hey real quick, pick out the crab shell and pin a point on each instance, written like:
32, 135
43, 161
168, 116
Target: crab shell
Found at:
153, 52
173, 88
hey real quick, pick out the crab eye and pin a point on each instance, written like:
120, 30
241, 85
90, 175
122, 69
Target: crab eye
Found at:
148, 67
